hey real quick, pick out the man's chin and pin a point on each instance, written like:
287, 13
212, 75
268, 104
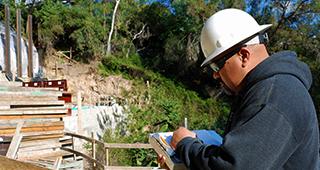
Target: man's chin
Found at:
227, 90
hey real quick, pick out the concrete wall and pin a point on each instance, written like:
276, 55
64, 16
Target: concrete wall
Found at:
96, 119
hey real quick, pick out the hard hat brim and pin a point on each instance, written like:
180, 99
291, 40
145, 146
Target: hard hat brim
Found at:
217, 54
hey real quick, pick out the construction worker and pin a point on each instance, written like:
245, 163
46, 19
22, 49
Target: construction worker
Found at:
273, 122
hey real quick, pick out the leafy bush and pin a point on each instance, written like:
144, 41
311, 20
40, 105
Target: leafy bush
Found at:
159, 104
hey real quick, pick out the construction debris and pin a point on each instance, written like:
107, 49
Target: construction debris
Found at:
41, 111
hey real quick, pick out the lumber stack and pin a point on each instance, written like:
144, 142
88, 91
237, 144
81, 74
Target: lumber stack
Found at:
41, 112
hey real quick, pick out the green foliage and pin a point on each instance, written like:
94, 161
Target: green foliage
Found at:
169, 45
49, 17
315, 89
160, 104
81, 27
86, 30
295, 28
158, 49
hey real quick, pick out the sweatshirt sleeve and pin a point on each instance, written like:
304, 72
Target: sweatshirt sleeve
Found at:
264, 141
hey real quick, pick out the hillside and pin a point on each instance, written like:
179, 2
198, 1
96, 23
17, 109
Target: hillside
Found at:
85, 78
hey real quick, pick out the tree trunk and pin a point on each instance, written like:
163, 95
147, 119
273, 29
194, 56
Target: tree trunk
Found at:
112, 27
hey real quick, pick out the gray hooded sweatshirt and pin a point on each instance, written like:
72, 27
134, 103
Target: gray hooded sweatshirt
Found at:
273, 123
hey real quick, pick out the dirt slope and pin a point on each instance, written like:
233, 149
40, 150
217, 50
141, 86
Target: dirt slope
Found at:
84, 78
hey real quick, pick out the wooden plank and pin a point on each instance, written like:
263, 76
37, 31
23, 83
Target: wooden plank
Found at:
33, 116
28, 89
11, 164
40, 147
36, 135
37, 154
8, 130
28, 93
9, 83
79, 120
43, 137
4, 107
57, 163
24, 98
7, 59
45, 154
93, 144
31, 135
27, 137
65, 165
113, 145
88, 139
66, 142
34, 129
127, 146
13, 122
33, 111
34, 124
26, 144
14, 145
30, 47
46, 126
85, 156
30, 102
18, 40
131, 168
40, 108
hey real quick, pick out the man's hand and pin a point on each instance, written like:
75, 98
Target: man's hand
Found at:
179, 134
162, 162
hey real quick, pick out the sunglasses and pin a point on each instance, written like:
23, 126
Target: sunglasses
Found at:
218, 65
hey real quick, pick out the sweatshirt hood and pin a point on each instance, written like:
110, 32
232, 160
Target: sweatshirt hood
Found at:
284, 62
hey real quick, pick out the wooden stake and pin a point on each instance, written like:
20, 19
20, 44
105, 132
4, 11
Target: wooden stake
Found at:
107, 156
79, 113
19, 69
73, 148
93, 149
30, 49
7, 43
15, 142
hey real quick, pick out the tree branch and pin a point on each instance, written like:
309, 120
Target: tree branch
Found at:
112, 27
139, 33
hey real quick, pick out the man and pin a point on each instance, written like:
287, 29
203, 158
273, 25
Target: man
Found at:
273, 123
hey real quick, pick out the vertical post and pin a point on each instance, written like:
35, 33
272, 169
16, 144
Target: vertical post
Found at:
73, 148
70, 54
186, 122
19, 69
7, 44
93, 149
107, 156
30, 45
79, 112
56, 69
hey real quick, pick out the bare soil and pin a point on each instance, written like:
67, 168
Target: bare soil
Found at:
84, 78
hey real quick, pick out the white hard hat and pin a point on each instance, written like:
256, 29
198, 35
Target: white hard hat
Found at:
227, 29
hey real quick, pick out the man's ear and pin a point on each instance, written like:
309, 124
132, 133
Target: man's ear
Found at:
245, 54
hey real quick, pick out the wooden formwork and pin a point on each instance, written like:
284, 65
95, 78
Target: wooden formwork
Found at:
41, 112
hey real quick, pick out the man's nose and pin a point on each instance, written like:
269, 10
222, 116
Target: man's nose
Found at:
216, 75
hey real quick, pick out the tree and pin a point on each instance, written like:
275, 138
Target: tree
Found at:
295, 27
112, 27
